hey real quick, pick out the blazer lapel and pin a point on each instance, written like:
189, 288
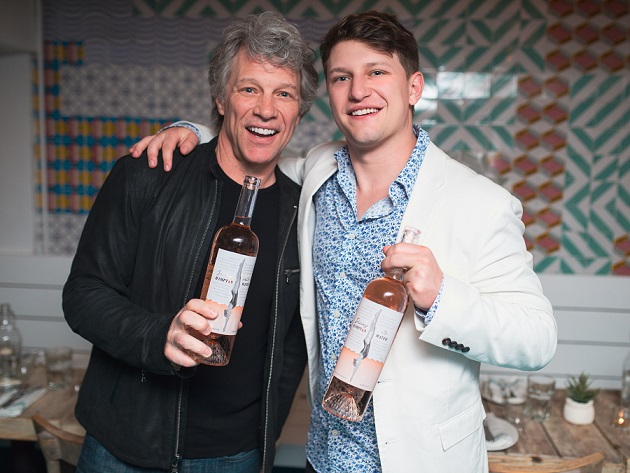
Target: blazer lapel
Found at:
427, 191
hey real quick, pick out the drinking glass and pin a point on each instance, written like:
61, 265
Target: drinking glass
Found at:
621, 417
540, 391
59, 367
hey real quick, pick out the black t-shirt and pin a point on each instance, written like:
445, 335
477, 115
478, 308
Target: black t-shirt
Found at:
224, 402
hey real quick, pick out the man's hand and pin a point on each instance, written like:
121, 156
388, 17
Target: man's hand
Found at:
166, 140
195, 315
424, 276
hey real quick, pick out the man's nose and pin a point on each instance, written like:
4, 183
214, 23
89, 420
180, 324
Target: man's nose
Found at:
358, 88
265, 107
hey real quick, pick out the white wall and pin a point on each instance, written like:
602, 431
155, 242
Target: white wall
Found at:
32, 285
593, 316
17, 206
18, 44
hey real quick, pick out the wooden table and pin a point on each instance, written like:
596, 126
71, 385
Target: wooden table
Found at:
558, 438
56, 406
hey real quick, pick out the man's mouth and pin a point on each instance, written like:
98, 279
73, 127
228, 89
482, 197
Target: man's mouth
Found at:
262, 131
364, 111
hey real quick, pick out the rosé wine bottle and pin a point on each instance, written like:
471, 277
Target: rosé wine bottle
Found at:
367, 345
229, 273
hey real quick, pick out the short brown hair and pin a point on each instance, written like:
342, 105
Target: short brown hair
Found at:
379, 31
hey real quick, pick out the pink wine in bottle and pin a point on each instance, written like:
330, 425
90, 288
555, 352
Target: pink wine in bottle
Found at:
367, 345
229, 273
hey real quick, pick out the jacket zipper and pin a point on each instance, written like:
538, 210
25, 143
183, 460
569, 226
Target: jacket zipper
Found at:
177, 458
178, 420
273, 338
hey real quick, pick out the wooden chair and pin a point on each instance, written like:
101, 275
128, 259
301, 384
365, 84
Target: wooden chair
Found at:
57, 445
592, 463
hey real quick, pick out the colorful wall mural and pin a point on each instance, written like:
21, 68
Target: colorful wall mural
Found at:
533, 93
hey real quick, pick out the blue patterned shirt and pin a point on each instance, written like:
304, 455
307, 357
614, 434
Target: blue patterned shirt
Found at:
347, 255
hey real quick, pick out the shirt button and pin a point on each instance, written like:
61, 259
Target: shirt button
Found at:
351, 236
334, 433
342, 274
336, 313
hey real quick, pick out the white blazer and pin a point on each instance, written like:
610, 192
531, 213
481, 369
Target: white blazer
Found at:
427, 403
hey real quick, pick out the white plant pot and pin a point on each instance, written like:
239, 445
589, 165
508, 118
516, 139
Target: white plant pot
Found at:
580, 413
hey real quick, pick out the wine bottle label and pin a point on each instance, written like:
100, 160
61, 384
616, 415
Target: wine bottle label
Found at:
229, 283
369, 339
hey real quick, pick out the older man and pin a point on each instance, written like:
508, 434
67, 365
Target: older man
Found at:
137, 275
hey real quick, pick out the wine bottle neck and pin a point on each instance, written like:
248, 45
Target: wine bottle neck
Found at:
246, 201
409, 235
396, 273
244, 221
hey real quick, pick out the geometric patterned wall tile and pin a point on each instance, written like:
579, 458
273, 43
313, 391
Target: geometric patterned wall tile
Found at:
623, 209
621, 268
615, 9
622, 245
594, 140
534, 94
436, 30
547, 243
580, 245
572, 264
614, 34
599, 100
559, 33
488, 31
115, 90
64, 233
547, 264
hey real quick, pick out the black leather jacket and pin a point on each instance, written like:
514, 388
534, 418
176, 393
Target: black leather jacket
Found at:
141, 252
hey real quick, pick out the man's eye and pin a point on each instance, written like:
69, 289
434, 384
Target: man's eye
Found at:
377, 73
340, 79
249, 90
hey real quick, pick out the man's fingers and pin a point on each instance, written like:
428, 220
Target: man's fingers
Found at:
185, 344
189, 352
189, 143
196, 316
169, 143
153, 149
202, 307
167, 140
137, 149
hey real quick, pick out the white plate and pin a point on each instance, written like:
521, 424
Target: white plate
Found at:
497, 389
505, 434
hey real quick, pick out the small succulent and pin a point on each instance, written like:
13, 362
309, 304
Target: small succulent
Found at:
579, 389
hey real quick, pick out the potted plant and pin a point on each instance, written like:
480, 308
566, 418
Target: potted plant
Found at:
578, 407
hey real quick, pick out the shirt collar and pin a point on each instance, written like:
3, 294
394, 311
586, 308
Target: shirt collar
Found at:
405, 180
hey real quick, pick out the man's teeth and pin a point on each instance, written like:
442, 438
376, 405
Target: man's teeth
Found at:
262, 131
365, 111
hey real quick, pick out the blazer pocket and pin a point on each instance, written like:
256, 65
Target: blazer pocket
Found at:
457, 428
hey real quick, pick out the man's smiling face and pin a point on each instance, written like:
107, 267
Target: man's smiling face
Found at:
370, 94
261, 111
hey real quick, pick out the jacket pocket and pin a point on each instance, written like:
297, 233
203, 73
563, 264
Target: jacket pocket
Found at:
457, 428
291, 274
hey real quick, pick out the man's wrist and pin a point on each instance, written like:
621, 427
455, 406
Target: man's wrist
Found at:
427, 315
184, 124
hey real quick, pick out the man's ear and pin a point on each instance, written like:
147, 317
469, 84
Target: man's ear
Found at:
219, 106
416, 86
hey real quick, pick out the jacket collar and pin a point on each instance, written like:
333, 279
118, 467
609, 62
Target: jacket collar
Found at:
427, 190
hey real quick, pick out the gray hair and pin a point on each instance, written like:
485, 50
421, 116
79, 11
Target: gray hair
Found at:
265, 37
